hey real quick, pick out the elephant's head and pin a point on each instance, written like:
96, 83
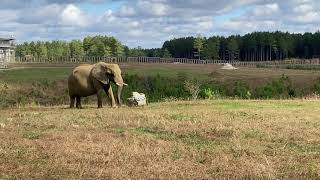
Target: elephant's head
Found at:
105, 73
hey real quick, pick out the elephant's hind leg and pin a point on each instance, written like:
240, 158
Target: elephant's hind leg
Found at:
72, 99
78, 102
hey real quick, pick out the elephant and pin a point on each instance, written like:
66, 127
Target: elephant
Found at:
90, 79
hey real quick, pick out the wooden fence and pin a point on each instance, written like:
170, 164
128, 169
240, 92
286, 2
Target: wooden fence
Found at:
159, 60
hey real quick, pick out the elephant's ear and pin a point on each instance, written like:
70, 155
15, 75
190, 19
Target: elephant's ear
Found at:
100, 72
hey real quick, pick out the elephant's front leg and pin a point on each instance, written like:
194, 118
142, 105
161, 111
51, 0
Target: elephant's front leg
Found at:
99, 99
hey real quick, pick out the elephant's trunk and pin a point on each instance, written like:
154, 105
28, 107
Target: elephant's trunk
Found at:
119, 82
119, 95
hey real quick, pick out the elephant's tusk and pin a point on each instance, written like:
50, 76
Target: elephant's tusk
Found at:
124, 84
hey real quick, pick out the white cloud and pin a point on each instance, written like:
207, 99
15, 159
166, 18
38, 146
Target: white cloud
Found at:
44, 15
266, 10
309, 17
127, 11
303, 8
135, 33
148, 23
72, 15
8, 15
149, 7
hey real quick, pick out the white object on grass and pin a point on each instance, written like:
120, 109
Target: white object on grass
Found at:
228, 66
137, 99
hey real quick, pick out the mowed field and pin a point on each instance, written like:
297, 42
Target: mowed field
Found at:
173, 140
207, 139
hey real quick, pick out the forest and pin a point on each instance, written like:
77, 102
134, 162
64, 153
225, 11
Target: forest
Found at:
256, 46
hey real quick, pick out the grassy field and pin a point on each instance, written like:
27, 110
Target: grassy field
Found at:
254, 75
170, 140
173, 140
23, 75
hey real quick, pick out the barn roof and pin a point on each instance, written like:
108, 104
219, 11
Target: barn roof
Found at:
6, 39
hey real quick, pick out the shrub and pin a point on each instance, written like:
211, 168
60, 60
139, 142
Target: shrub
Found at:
317, 86
241, 89
182, 76
157, 88
211, 93
193, 87
281, 88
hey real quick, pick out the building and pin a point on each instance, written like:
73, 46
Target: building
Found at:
7, 51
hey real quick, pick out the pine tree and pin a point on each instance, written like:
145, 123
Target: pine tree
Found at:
119, 49
42, 50
233, 48
76, 48
198, 44
166, 53
211, 48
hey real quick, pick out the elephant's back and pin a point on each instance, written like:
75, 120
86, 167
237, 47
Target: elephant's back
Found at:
79, 81
83, 69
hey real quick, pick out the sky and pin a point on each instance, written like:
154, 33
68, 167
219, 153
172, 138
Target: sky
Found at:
148, 23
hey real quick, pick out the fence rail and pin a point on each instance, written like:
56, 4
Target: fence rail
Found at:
87, 59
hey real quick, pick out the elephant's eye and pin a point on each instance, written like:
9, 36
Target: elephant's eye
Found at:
109, 74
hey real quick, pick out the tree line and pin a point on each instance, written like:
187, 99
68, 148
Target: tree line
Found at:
97, 46
257, 46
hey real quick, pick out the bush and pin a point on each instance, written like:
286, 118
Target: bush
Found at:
317, 86
281, 88
211, 93
241, 89
291, 66
156, 88
193, 87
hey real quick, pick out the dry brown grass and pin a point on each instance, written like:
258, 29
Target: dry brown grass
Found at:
173, 140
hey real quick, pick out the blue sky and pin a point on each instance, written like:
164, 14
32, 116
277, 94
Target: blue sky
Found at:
148, 23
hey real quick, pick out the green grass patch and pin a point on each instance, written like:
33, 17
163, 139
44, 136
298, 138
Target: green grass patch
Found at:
259, 105
34, 74
32, 135
236, 104
314, 67
304, 148
167, 72
208, 141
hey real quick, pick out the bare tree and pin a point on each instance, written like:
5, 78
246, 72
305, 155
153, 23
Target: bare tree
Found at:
193, 87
